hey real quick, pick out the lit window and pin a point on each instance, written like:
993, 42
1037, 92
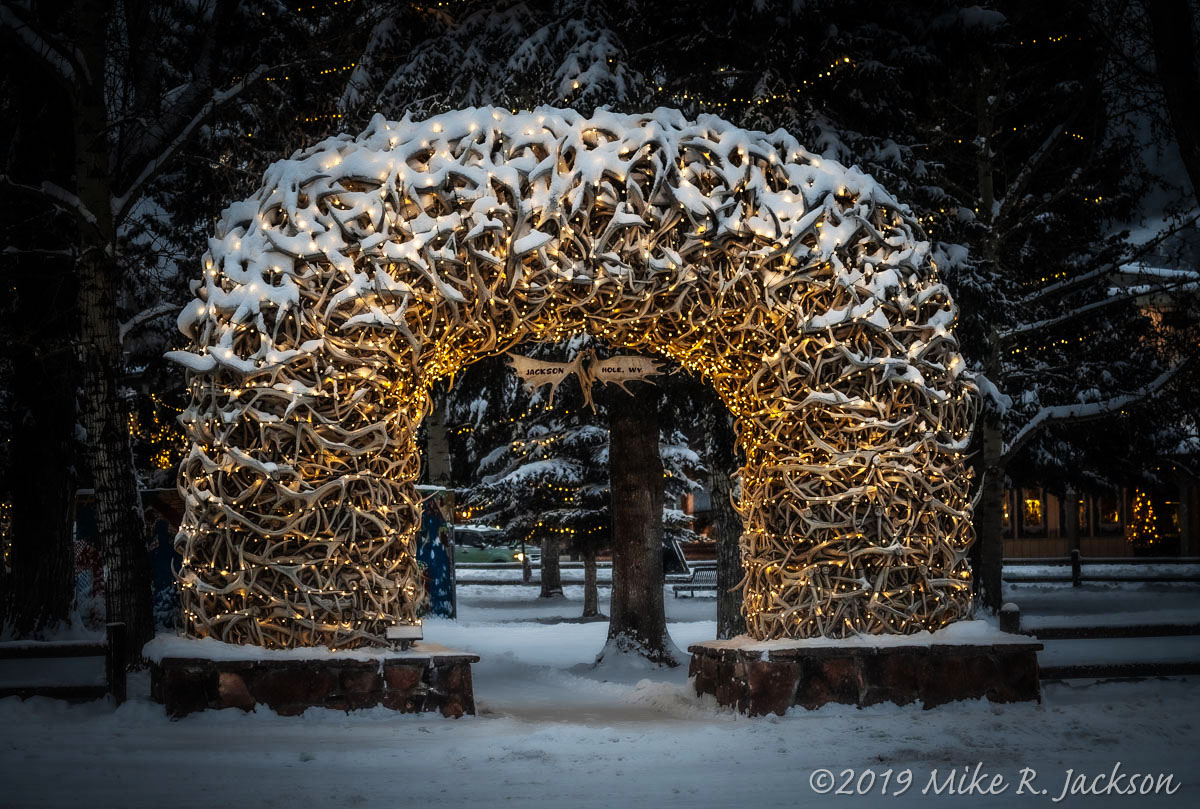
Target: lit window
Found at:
1033, 512
1110, 515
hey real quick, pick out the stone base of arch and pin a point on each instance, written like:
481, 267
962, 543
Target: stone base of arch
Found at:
760, 681
424, 679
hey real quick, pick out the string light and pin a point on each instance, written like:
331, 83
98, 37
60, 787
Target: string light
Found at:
703, 244
162, 435
6, 534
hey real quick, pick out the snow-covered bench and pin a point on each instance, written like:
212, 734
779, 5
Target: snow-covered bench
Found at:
703, 578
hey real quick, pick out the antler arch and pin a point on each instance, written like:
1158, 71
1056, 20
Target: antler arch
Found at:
368, 267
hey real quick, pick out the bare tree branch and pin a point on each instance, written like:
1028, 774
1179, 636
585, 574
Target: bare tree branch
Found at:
145, 316
57, 196
40, 46
1008, 336
24, 251
120, 204
1071, 284
1013, 193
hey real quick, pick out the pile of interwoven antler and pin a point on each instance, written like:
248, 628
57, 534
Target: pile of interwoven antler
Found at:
368, 267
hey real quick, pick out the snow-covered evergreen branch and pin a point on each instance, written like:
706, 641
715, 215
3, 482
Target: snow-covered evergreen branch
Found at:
1025, 330
1085, 411
1077, 282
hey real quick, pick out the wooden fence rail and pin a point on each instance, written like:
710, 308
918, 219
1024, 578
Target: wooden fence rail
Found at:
112, 650
1074, 573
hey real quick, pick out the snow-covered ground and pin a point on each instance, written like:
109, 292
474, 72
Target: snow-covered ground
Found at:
506, 573
552, 731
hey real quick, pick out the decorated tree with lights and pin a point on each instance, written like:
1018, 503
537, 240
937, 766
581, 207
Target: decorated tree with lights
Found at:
1057, 332
310, 51
1143, 523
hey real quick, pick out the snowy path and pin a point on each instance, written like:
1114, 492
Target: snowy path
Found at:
554, 732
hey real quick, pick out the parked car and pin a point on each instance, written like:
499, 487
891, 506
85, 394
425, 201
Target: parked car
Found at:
481, 543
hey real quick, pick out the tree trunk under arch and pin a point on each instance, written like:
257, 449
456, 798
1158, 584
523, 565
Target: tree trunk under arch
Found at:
638, 621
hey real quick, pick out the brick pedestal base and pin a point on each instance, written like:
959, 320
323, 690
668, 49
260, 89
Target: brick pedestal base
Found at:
758, 682
411, 682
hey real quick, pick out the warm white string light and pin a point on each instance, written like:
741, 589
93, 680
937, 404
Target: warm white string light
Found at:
368, 268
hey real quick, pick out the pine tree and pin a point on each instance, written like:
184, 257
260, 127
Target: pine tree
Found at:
539, 469
544, 481
1020, 181
516, 55
1036, 176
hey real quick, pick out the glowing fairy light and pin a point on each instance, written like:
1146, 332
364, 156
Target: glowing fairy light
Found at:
736, 254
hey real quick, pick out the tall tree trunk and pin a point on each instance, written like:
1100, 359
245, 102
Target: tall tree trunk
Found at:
1172, 24
551, 570
118, 508
989, 518
1187, 534
40, 589
37, 339
119, 522
638, 621
591, 594
726, 523
987, 556
437, 447
1071, 504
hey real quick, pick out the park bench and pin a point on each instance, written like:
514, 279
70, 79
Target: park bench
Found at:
112, 650
702, 578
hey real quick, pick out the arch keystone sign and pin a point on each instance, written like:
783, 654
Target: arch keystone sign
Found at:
366, 268
589, 370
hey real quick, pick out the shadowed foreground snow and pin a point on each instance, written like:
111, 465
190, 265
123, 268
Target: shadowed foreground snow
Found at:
552, 731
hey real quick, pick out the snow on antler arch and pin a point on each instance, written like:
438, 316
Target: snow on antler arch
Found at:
368, 267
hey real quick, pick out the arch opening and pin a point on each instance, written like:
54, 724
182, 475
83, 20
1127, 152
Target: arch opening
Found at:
367, 268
